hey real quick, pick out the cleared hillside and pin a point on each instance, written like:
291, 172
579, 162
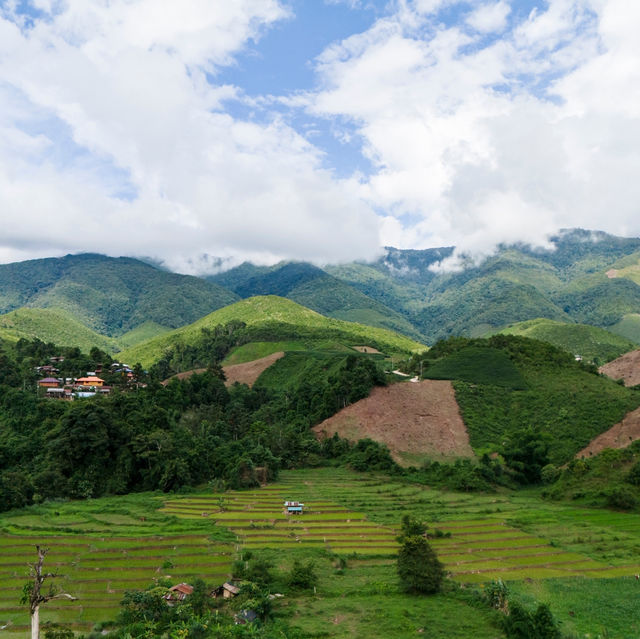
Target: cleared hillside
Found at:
416, 421
626, 368
590, 342
271, 318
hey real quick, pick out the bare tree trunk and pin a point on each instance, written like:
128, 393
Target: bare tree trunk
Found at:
35, 623
33, 592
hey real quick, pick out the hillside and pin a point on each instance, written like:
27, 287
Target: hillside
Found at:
567, 284
271, 318
109, 295
312, 287
415, 421
53, 325
626, 368
590, 342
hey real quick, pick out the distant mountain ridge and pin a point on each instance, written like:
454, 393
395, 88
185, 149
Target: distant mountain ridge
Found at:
109, 295
589, 278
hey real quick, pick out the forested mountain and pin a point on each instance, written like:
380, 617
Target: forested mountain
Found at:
314, 288
589, 277
109, 295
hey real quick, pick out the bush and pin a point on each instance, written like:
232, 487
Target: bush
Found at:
302, 576
623, 498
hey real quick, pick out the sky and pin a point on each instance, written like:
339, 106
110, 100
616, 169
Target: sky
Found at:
202, 133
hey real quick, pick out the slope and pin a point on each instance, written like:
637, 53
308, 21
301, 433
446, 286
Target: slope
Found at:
626, 368
592, 343
109, 295
271, 318
314, 288
53, 325
415, 421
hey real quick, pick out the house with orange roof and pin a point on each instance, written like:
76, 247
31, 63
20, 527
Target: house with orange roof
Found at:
92, 380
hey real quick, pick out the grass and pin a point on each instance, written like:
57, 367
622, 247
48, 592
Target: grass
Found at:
628, 327
257, 350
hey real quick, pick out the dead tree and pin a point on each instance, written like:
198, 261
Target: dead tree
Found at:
33, 593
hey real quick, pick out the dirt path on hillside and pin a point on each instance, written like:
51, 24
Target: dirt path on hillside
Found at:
248, 373
626, 367
618, 436
243, 373
366, 349
417, 419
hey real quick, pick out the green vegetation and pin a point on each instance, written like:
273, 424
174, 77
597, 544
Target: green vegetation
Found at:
590, 342
478, 365
628, 327
274, 319
53, 325
312, 287
109, 295
142, 333
561, 399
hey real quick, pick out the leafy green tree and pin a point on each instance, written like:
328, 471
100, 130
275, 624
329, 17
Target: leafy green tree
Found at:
527, 453
418, 566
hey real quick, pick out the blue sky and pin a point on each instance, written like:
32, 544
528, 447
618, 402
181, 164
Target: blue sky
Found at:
302, 129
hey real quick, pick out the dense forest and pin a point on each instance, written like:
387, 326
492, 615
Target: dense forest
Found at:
150, 436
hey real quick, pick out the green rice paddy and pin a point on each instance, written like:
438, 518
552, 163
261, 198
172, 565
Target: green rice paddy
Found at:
104, 547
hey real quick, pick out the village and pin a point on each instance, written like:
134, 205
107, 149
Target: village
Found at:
90, 385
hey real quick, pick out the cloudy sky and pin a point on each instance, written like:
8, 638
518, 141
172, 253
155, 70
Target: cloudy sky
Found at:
313, 129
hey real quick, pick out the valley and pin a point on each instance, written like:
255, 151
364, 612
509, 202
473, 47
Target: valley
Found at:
498, 405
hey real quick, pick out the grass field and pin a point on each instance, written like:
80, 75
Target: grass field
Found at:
562, 554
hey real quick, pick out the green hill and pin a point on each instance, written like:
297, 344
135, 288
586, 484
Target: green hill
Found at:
312, 287
592, 343
271, 318
628, 327
109, 295
53, 325
561, 399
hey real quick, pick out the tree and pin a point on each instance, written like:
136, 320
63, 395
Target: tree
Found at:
32, 592
418, 567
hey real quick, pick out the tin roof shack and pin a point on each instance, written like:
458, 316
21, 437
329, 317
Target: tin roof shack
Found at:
178, 593
293, 507
226, 591
49, 382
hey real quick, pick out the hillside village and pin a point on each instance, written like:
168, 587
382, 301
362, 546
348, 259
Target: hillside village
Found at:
70, 388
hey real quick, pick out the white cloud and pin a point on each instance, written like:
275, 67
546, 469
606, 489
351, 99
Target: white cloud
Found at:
117, 91
475, 143
490, 17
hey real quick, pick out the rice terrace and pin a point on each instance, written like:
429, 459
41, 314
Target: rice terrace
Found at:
543, 551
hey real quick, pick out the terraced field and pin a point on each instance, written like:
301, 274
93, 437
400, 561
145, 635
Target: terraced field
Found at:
102, 548
508, 536
106, 546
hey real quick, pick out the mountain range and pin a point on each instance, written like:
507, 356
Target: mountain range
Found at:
587, 278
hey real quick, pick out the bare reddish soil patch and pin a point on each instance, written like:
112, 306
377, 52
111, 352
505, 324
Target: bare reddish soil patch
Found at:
626, 367
618, 436
248, 373
366, 349
420, 419
243, 373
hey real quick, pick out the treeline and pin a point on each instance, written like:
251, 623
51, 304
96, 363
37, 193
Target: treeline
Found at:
186, 433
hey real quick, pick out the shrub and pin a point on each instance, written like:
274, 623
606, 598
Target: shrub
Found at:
302, 576
622, 497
